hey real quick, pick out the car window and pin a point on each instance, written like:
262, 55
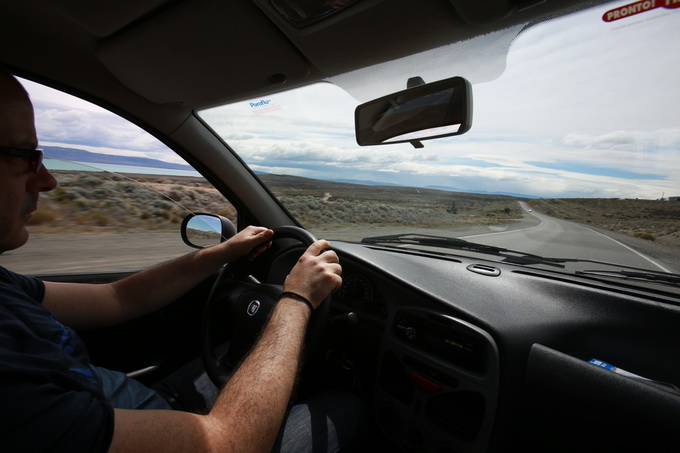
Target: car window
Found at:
121, 194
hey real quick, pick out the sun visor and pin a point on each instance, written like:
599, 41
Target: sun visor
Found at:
207, 58
368, 32
104, 17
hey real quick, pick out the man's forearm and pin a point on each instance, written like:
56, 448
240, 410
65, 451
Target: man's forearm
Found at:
159, 285
155, 287
254, 402
95, 305
249, 411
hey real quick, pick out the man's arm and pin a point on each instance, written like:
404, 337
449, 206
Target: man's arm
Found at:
249, 411
88, 305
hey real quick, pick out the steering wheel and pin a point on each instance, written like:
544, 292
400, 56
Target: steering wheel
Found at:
248, 304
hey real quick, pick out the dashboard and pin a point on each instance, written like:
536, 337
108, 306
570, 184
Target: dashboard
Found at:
434, 376
460, 354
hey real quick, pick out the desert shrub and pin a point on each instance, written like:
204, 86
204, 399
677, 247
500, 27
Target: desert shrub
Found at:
95, 218
81, 203
89, 181
60, 195
102, 193
42, 216
163, 204
78, 192
128, 187
645, 236
176, 193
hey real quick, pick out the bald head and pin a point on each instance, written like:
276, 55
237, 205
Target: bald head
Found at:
9, 83
17, 127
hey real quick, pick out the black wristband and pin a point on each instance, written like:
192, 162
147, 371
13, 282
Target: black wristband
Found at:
298, 297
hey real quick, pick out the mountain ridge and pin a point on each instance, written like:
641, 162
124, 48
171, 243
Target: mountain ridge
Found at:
80, 155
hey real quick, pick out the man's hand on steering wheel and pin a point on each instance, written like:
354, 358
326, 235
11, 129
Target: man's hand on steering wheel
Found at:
248, 243
316, 274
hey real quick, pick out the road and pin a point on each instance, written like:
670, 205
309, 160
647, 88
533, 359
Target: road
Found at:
536, 233
82, 252
559, 238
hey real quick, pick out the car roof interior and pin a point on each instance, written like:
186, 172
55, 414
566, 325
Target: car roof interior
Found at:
172, 57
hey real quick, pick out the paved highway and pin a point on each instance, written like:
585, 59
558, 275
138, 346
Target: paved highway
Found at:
562, 239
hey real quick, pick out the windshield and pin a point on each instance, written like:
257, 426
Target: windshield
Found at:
574, 150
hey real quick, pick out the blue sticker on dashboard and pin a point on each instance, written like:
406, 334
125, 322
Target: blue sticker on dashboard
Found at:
602, 364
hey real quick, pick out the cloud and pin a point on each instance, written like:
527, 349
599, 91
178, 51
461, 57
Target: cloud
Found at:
57, 123
276, 151
96, 130
542, 167
41, 93
627, 139
610, 140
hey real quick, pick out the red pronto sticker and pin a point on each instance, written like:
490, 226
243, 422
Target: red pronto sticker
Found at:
638, 7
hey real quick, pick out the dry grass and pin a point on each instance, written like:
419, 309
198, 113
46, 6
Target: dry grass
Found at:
328, 205
93, 201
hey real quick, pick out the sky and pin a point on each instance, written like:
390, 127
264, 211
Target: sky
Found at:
547, 127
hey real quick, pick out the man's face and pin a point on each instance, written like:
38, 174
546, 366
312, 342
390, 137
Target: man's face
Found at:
19, 186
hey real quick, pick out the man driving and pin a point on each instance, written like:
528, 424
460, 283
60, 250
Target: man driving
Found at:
54, 399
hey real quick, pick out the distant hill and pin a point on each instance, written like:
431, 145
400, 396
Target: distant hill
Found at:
483, 192
79, 155
363, 182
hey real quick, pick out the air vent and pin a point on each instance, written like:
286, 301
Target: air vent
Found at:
483, 269
395, 380
458, 413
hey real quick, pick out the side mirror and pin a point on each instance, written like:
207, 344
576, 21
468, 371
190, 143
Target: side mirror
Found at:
427, 111
204, 230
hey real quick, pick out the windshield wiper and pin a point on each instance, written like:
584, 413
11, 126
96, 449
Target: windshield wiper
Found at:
508, 255
516, 257
646, 276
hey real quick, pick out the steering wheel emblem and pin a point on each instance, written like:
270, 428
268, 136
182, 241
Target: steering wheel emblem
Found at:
253, 306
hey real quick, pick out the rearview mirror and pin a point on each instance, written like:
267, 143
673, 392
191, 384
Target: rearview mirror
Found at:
205, 230
433, 110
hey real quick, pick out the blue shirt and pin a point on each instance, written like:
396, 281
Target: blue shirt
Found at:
50, 398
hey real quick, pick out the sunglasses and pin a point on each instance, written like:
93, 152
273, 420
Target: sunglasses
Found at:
34, 156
